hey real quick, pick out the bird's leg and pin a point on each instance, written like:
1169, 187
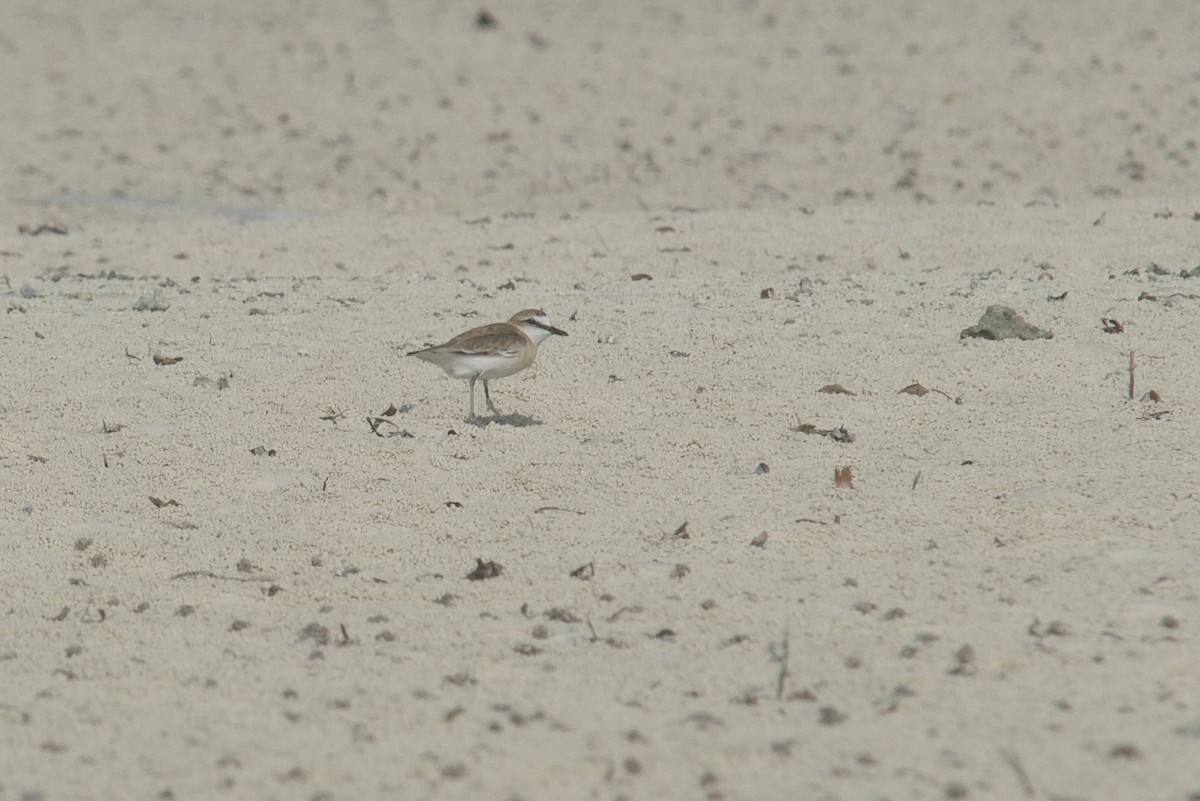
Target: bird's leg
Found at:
488, 396
471, 408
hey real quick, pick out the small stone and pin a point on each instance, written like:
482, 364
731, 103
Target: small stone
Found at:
831, 716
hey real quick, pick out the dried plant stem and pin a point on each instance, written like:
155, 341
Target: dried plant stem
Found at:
784, 658
1132, 369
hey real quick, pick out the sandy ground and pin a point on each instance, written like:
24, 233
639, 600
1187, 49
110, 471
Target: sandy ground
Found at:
228, 574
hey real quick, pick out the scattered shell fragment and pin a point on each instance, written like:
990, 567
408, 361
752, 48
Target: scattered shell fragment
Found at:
208, 383
843, 477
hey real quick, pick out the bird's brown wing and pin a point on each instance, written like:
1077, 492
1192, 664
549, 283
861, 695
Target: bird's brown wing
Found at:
494, 338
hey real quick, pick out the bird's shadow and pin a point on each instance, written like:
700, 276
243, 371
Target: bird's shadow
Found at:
515, 420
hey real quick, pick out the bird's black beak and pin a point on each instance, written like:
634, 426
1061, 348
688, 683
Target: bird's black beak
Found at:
551, 329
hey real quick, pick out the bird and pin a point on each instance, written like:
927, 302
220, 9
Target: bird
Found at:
491, 351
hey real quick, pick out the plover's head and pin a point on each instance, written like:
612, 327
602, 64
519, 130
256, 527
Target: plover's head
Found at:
535, 324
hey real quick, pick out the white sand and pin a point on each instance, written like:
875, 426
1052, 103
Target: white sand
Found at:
1003, 606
